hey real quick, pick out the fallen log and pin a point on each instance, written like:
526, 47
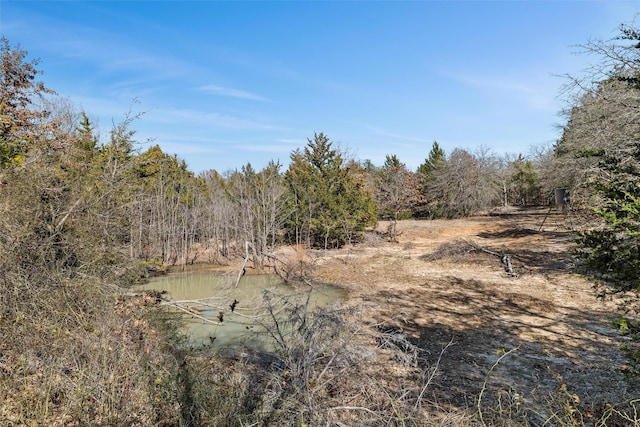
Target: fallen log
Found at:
191, 312
505, 259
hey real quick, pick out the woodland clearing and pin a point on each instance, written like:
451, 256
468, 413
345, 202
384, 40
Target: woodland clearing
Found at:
443, 282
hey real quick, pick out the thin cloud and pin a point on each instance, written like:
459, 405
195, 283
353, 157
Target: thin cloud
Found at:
382, 132
232, 93
213, 119
108, 51
538, 95
267, 148
185, 146
292, 141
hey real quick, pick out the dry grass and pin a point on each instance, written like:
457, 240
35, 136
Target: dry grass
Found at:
81, 359
440, 283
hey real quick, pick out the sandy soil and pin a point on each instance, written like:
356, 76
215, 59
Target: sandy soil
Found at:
436, 287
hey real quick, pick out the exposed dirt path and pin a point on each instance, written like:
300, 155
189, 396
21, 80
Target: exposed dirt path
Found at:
435, 286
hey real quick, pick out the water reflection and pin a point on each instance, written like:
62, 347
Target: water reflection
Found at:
211, 295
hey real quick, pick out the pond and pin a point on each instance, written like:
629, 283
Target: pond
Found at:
209, 297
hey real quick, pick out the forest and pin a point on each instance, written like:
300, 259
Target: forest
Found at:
84, 218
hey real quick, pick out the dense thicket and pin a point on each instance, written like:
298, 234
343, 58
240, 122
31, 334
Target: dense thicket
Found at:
598, 157
70, 352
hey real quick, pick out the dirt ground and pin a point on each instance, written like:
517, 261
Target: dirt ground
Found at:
437, 285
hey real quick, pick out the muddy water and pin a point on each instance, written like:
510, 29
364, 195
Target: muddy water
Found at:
211, 293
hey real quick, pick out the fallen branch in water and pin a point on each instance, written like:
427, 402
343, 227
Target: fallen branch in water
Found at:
183, 306
191, 312
244, 264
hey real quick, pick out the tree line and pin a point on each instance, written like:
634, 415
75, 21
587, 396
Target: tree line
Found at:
148, 201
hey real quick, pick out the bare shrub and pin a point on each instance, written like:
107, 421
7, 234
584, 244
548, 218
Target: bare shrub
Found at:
325, 369
321, 369
451, 249
296, 267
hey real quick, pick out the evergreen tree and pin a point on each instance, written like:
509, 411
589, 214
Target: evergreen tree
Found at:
327, 198
524, 183
87, 139
434, 163
435, 159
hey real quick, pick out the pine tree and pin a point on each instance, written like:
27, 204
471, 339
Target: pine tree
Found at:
327, 198
435, 159
434, 163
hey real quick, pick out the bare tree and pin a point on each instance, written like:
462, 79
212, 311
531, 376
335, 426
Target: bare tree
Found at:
259, 201
20, 93
466, 184
396, 190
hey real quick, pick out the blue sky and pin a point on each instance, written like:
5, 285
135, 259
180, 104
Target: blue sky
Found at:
226, 83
